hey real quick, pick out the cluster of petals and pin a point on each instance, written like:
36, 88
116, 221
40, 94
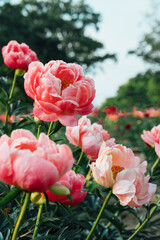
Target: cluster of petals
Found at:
152, 138
31, 164
18, 56
75, 182
11, 119
112, 113
119, 168
151, 112
95, 112
89, 137
60, 91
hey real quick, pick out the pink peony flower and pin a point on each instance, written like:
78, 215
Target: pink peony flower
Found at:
18, 56
89, 137
151, 137
132, 187
137, 113
117, 167
33, 165
75, 182
60, 90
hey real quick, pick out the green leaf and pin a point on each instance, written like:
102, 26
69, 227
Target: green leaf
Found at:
10, 196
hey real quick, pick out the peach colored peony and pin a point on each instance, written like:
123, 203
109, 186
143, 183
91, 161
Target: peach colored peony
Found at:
111, 161
137, 113
117, 167
152, 112
151, 137
60, 90
18, 56
132, 187
33, 165
89, 137
75, 182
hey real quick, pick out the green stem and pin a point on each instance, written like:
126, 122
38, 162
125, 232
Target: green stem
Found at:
145, 221
99, 215
88, 174
55, 210
37, 221
50, 128
78, 162
10, 96
38, 131
155, 164
23, 210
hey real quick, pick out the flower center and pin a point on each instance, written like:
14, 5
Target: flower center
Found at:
115, 170
65, 84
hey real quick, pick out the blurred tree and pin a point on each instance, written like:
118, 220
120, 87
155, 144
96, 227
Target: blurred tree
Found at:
53, 29
141, 91
149, 46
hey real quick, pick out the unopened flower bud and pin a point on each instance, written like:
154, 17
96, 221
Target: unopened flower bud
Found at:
59, 189
38, 198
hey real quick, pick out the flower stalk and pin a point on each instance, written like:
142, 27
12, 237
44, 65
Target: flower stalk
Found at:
37, 221
145, 220
79, 160
23, 210
99, 215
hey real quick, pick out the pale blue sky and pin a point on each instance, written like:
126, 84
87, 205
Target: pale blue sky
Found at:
122, 27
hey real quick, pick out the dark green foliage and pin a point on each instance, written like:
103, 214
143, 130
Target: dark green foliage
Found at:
53, 29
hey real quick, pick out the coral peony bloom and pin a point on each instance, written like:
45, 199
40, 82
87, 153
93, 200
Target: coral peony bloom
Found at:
89, 137
33, 165
138, 113
111, 161
75, 182
132, 187
152, 112
117, 167
151, 137
60, 90
18, 56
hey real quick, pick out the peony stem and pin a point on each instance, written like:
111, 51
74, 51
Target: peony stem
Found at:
88, 174
10, 96
50, 128
23, 210
155, 164
78, 162
99, 215
37, 221
145, 221
38, 131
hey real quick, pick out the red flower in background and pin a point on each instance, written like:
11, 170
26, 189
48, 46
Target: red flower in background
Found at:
18, 56
110, 110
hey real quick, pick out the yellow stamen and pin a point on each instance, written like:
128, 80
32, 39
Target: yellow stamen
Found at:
115, 170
